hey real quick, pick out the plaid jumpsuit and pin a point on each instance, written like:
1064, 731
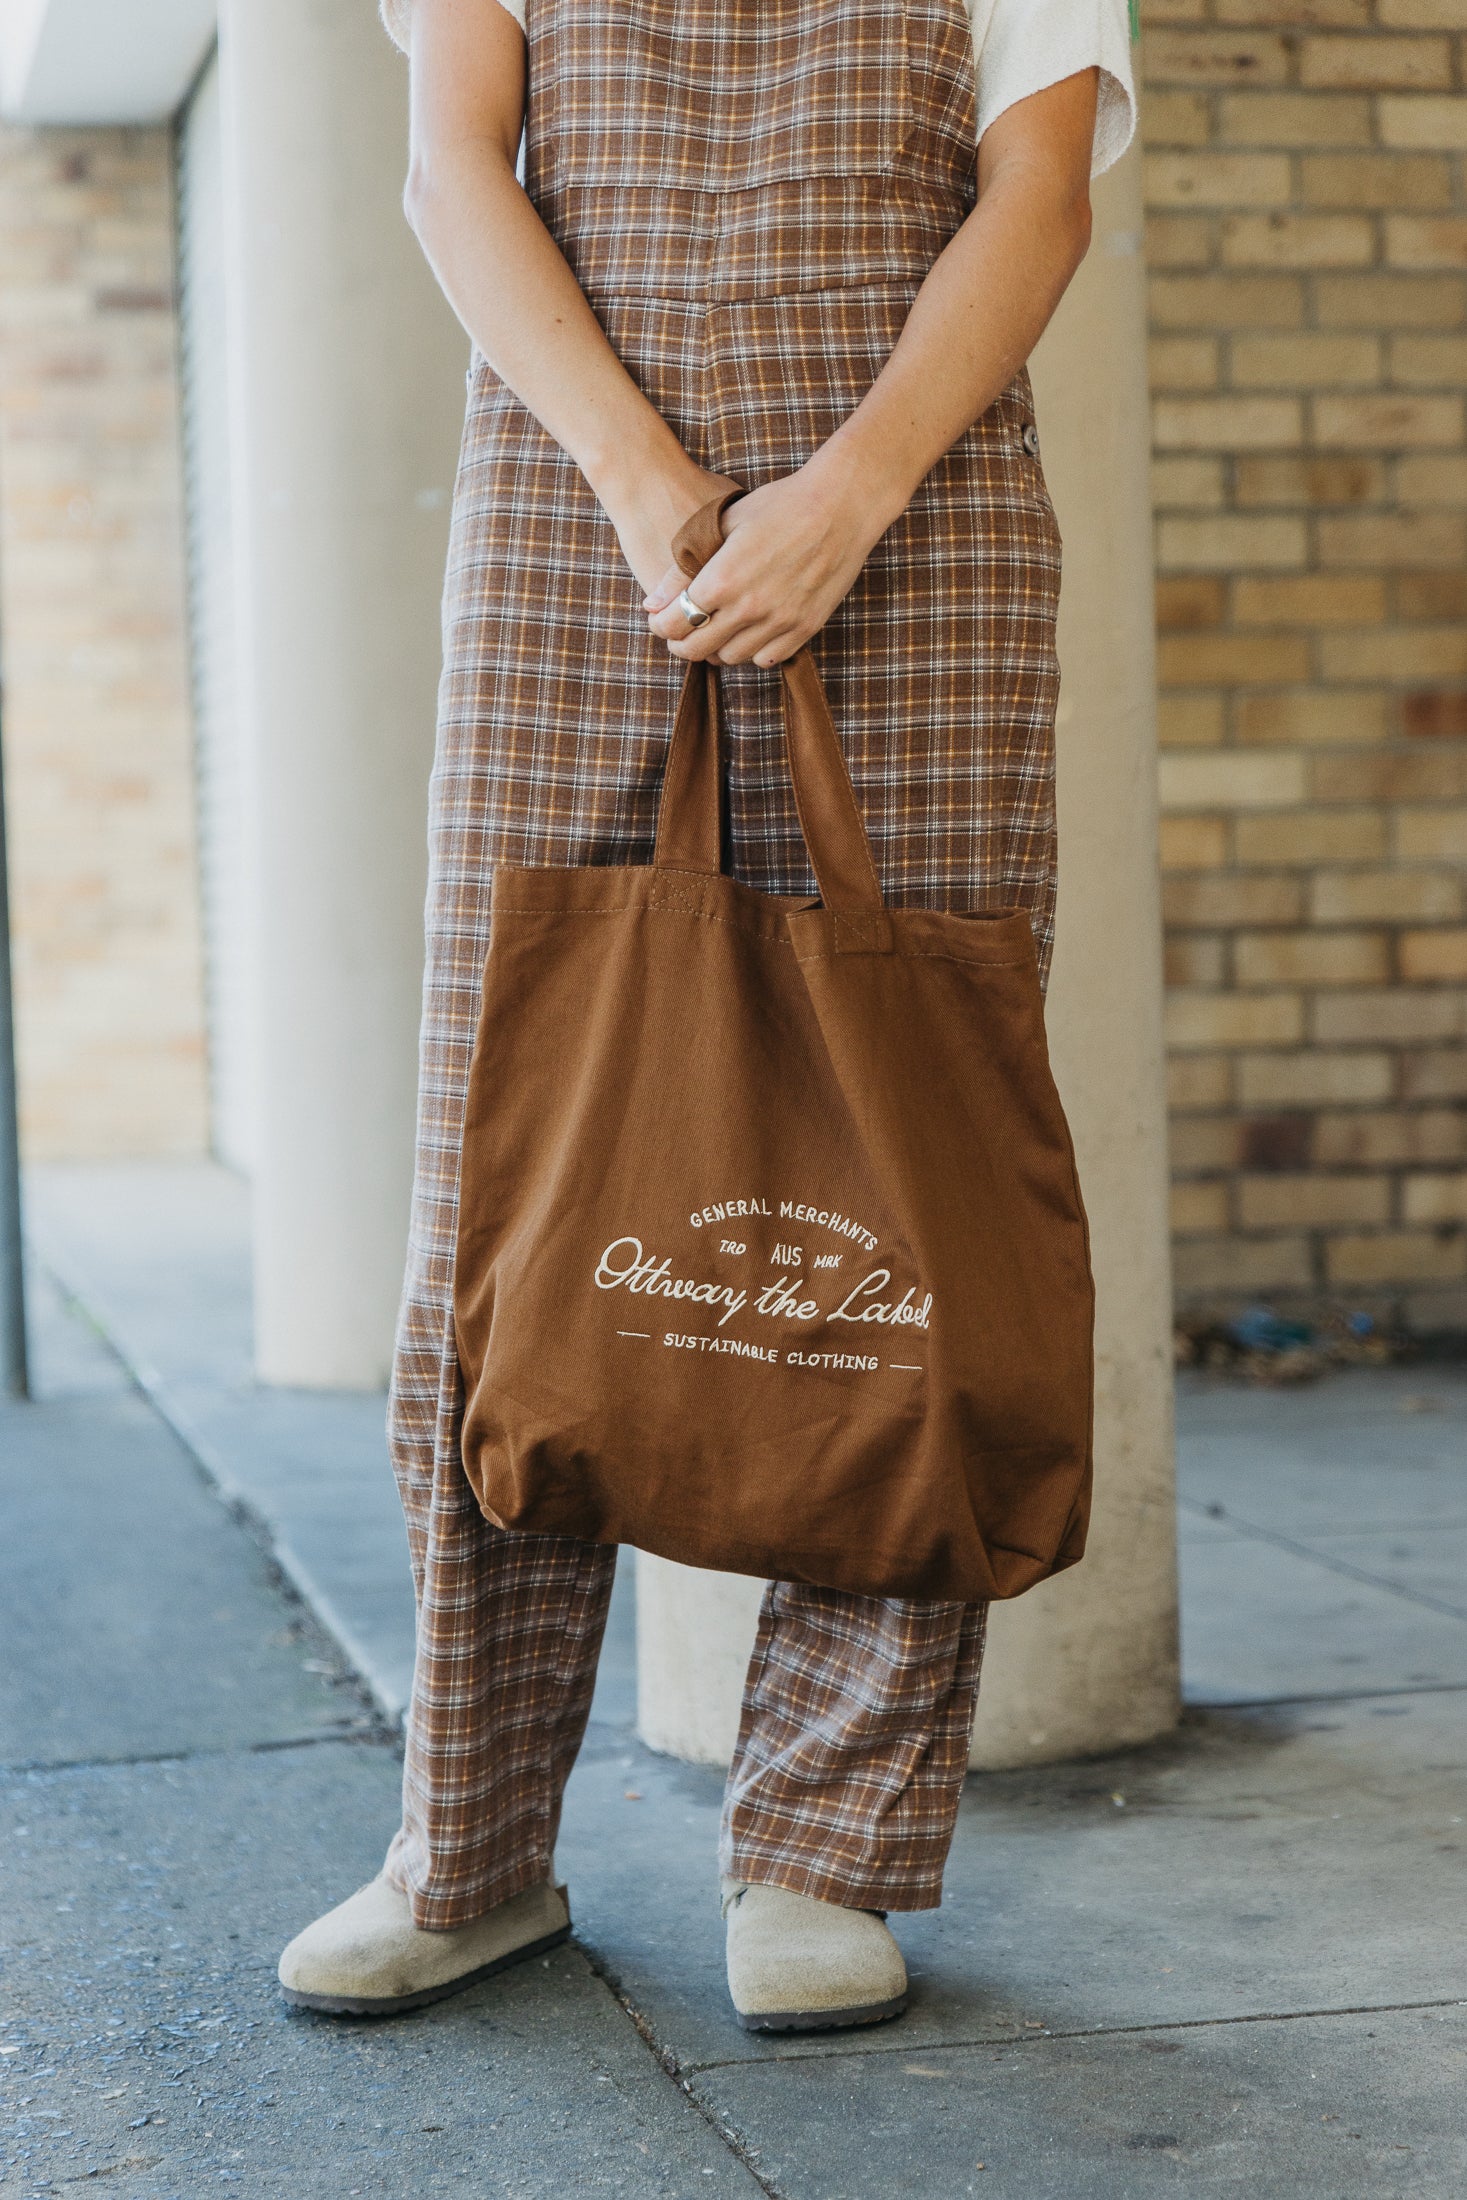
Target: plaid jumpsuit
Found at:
750, 193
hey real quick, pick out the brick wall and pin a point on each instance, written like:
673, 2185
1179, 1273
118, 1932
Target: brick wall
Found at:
97, 733
1307, 192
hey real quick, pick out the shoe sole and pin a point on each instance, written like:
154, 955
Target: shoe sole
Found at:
393, 2005
822, 2020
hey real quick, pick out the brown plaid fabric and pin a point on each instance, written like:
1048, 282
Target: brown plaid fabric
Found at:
750, 192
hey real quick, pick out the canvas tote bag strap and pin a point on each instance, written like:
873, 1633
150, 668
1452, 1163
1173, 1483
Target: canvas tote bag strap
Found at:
688, 823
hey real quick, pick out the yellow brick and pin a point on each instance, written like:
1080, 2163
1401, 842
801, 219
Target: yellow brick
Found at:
1258, 301
1438, 480
1199, 1081
1230, 779
1178, 118
1420, 15
1426, 240
1201, 1020
1426, 360
1186, 483
1389, 421
1432, 596
1365, 1138
1290, 119
1309, 599
1425, 836
1237, 1265
1315, 14
1224, 541
1395, 653
1180, 240
1393, 538
1190, 720
1235, 898
1433, 124
1385, 897
1311, 958
1311, 1076
1229, 423
1194, 958
1432, 714
1305, 362
1298, 240
1198, 1208
1375, 64
1388, 301
1305, 837
1301, 480
1218, 179
1215, 57
1390, 182
1390, 1015
1396, 1256
1435, 1076
1428, 955
1192, 843
1190, 600
1312, 1202
1201, 1143
1435, 1198
1312, 715
1426, 776
1211, 660
1183, 362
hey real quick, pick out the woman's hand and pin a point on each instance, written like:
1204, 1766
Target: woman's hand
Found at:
648, 509
792, 551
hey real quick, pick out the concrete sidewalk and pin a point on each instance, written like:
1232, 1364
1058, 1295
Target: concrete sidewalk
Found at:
1231, 1962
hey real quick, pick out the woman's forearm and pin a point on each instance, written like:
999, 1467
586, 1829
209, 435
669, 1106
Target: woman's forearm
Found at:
984, 304
510, 285
506, 279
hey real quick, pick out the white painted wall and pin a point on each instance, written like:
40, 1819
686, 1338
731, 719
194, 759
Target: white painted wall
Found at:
100, 61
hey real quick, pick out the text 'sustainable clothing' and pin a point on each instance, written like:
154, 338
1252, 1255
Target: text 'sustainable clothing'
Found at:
750, 193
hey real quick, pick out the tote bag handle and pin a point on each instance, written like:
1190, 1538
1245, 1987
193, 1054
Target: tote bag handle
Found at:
689, 834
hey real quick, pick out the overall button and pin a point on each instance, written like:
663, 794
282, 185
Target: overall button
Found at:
1030, 439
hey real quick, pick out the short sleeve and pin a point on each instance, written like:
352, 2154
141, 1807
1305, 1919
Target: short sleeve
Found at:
397, 15
1023, 46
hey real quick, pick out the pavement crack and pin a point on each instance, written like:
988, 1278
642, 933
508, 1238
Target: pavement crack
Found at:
376, 1737
681, 2074
1079, 2032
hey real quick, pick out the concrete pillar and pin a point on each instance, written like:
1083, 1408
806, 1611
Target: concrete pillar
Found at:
347, 401
1088, 1661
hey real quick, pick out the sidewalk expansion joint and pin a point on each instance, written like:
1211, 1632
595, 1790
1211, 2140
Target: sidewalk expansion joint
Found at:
376, 1737
1081, 2032
1343, 1695
1322, 1558
680, 2074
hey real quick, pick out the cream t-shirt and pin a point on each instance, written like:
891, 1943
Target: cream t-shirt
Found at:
1021, 47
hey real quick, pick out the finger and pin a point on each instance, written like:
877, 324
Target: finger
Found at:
703, 642
733, 640
673, 622
667, 590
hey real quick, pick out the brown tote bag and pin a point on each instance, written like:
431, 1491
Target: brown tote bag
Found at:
771, 1253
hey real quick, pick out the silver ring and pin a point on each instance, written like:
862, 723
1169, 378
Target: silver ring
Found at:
693, 612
